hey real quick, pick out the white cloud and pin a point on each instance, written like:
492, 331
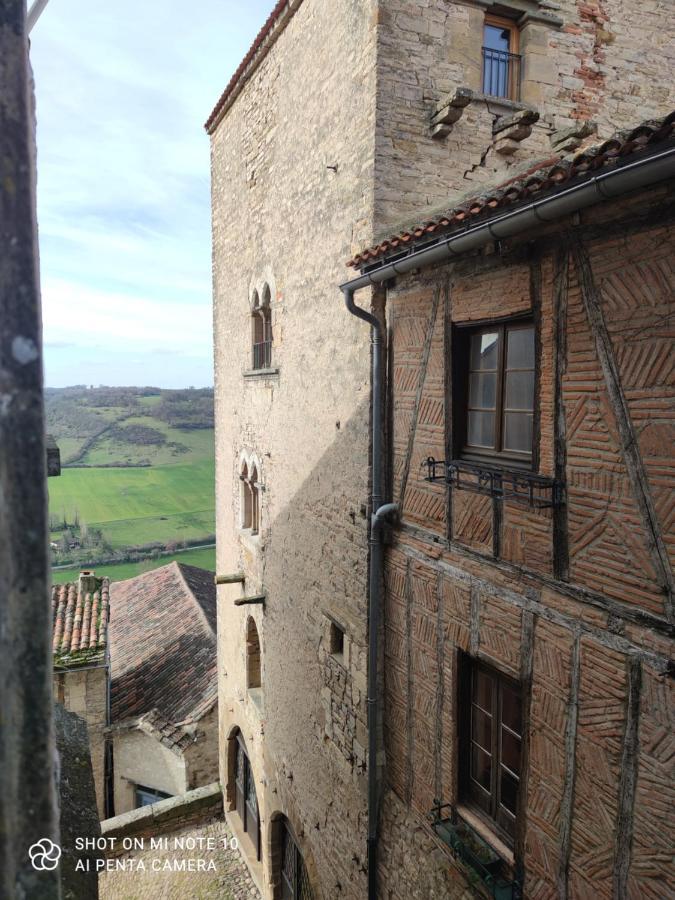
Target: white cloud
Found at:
82, 316
123, 89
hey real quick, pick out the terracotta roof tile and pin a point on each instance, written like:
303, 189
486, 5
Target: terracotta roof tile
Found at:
80, 622
543, 176
163, 645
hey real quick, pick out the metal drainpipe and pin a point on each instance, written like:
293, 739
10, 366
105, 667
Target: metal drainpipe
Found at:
379, 514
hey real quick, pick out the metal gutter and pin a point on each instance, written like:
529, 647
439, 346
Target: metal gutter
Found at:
607, 186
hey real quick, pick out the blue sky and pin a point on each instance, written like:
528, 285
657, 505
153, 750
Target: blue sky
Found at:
123, 89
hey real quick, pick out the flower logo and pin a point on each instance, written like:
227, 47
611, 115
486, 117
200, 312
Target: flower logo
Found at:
45, 855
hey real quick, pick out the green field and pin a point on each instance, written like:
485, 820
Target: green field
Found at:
137, 470
138, 506
205, 559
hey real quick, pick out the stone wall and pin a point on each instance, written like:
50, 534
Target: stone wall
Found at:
193, 854
85, 692
292, 165
201, 757
605, 61
589, 643
141, 759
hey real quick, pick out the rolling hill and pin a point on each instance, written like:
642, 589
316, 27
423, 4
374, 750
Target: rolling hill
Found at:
137, 473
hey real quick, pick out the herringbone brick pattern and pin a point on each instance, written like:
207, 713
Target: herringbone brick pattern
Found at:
548, 721
600, 731
651, 873
500, 291
472, 520
637, 286
605, 525
500, 630
527, 537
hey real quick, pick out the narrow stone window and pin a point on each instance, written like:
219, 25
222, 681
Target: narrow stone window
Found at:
249, 496
246, 498
501, 59
337, 640
253, 669
255, 501
262, 329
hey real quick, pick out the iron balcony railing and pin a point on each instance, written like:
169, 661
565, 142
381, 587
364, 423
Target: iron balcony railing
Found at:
525, 488
501, 74
262, 355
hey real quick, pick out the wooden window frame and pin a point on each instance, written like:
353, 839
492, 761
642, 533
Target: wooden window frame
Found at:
149, 792
461, 353
514, 49
508, 24
486, 805
241, 796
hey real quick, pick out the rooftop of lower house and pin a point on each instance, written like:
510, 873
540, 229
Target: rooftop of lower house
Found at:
163, 649
537, 180
80, 614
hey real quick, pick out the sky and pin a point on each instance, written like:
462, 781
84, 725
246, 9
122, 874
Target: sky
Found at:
123, 89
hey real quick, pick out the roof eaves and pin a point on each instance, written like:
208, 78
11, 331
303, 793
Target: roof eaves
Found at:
276, 22
544, 177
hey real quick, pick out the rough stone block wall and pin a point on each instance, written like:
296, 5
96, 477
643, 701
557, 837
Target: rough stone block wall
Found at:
591, 647
230, 881
307, 425
201, 757
604, 60
85, 692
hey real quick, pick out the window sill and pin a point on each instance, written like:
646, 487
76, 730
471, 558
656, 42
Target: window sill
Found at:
488, 835
502, 105
261, 373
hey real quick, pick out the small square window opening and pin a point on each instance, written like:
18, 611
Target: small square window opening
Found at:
337, 640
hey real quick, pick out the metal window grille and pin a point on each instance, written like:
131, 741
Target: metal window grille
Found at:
295, 883
501, 73
262, 355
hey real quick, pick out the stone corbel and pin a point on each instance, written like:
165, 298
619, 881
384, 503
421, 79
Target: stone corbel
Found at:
509, 131
569, 139
449, 110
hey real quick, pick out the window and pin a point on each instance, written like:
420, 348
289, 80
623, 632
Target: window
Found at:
501, 62
294, 881
246, 801
495, 396
145, 796
250, 496
491, 731
337, 640
262, 329
253, 676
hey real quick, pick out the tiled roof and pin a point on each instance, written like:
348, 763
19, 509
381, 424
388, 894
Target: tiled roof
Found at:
80, 620
257, 52
541, 178
163, 645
